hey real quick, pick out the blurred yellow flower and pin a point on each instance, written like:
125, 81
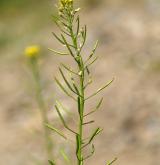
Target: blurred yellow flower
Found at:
66, 1
32, 51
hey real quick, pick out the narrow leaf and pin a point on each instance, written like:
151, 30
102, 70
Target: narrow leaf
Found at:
59, 104
63, 121
57, 52
66, 81
88, 122
57, 22
60, 115
85, 33
100, 89
79, 107
94, 60
63, 89
68, 46
99, 104
69, 69
65, 25
58, 38
110, 163
88, 83
55, 130
76, 88
97, 107
93, 51
96, 132
65, 157
77, 25
92, 152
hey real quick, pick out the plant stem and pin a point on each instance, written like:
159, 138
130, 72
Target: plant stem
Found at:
81, 97
81, 110
80, 100
42, 108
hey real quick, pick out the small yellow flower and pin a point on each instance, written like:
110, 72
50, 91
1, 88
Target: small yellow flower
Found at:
32, 51
64, 3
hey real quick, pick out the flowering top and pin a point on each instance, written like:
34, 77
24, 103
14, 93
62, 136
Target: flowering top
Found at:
66, 2
32, 51
65, 5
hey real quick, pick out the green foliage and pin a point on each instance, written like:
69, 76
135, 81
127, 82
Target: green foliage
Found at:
73, 37
16, 3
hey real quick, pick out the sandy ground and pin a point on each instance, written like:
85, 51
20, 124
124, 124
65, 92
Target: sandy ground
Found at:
130, 116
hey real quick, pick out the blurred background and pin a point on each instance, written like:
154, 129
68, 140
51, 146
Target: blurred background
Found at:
129, 35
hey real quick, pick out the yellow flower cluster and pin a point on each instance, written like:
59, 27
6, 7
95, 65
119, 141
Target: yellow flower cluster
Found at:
66, 1
32, 51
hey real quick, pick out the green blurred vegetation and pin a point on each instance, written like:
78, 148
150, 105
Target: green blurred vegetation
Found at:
20, 5
20, 19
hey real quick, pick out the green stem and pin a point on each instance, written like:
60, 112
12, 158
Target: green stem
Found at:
81, 99
81, 110
42, 108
